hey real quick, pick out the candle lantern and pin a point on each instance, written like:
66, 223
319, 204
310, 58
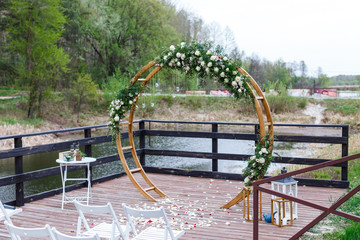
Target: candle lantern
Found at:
287, 186
283, 210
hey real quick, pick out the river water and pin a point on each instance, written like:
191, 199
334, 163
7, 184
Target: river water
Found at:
46, 160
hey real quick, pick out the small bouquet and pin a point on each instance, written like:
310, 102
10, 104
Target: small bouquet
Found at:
79, 155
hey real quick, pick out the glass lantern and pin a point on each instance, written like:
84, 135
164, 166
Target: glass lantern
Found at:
287, 186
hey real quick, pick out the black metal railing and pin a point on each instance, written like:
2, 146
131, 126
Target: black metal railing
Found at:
18, 152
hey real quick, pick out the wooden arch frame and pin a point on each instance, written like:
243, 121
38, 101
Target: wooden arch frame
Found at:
263, 114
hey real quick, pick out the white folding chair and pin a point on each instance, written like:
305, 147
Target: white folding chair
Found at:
6, 213
60, 236
17, 232
105, 230
151, 233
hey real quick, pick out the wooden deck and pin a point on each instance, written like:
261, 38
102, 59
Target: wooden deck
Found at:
193, 205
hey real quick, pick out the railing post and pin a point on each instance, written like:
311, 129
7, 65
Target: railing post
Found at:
149, 135
142, 142
88, 152
257, 132
214, 147
255, 213
19, 187
345, 152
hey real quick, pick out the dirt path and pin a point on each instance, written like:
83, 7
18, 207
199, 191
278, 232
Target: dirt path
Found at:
316, 111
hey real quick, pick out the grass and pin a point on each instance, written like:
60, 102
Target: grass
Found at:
344, 228
343, 106
280, 104
5, 91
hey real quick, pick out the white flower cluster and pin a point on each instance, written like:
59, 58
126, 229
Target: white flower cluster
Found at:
118, 107
114, 107
194, 57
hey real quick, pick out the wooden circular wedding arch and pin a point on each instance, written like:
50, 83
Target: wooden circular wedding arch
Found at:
262, 111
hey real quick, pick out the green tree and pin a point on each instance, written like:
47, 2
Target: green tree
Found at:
83, 91
34, 29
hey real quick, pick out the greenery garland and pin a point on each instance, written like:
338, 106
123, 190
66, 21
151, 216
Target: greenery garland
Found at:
125, 98
259, 162
197, 58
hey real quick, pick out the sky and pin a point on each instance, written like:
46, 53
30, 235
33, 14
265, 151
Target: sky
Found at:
323, 33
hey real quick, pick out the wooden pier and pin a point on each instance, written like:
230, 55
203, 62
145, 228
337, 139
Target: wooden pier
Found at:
193, 205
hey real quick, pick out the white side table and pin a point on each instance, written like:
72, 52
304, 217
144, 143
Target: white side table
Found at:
63, 170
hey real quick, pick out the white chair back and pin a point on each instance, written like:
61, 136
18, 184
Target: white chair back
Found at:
151, 232
104, 230
5, 213
17, 232
60, 236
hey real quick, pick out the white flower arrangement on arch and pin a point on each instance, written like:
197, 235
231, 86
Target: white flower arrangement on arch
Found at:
197, 58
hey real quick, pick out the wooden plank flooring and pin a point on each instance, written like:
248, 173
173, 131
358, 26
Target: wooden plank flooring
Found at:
193, 205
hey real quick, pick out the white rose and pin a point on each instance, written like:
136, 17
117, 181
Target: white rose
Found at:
213, 58
252, 157
121, 103
198, 68
197, 53
227, 69
216, 69
116, 118
239, 90
208, 52
182, 56
225, 58
222, 74
263, 150
165, 57
202, 63
178, 64
234, 83
170, 64
209, 64
161, 64
247, 179
200, 58
182, 44
207, 70
226, 80
178, 55
169, 53
130, 102
261, 160
187, 68
117, 107
235, 72
190, 58
237, 79
172, 47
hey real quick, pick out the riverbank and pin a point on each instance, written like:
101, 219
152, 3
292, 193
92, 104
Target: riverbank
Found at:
59, 115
